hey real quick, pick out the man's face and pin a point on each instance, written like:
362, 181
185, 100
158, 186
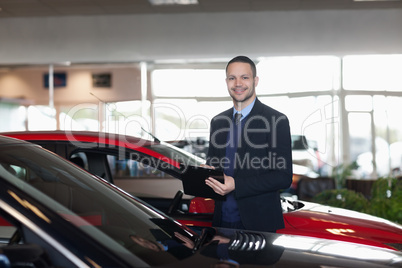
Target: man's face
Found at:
241, 84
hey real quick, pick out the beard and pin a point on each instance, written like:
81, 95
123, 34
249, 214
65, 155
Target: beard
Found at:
242, 99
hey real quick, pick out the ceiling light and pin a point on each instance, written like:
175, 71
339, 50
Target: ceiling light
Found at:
173, 2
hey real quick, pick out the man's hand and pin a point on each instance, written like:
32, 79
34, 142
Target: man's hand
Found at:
221, 188
206, 166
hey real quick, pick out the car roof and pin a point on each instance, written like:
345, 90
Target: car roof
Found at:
96, 137
84, 136
9, 140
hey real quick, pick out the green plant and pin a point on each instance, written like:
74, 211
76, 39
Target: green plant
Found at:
343, 198
342, 172
385, 202
386, 199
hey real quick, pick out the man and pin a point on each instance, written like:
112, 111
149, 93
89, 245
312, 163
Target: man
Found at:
255, 155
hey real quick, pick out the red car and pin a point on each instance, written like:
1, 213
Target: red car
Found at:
55, 214
152, 170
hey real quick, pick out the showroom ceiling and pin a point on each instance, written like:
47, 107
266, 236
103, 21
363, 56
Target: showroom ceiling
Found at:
51, 8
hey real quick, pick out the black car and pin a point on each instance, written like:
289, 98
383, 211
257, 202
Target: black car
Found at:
55, 214
153, 170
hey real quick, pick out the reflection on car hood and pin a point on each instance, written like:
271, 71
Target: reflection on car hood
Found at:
248, 247
347, 216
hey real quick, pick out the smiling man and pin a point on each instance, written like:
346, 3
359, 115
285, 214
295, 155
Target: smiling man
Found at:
251, 143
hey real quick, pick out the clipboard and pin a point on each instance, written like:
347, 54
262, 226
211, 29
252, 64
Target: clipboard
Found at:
193, 180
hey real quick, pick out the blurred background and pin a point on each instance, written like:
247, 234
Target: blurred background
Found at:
332, 66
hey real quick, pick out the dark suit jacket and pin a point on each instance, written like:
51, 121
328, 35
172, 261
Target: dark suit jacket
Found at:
263, 167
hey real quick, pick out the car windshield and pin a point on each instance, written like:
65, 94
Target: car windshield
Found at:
177, 154
117, 220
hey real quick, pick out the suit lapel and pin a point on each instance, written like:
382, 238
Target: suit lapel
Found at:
223, 127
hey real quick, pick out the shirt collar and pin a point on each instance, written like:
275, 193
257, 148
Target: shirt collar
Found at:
245, 110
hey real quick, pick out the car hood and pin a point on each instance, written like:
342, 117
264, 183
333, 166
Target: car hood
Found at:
318, 220
345, 217
237, 248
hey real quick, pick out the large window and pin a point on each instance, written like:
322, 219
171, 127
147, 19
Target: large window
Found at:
128, 117
41, 117
374, 124
186, 100
310, 90
316, 118
178, 119
12, 116
84, 116
124, 117
298, 74
372, 72
348, 107
189, 83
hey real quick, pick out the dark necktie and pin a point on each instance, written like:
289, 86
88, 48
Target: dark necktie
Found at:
230, 211
237, 118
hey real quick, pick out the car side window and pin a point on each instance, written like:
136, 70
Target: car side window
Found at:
80, 159
143, 180
134, 175
17, 171
128, 168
